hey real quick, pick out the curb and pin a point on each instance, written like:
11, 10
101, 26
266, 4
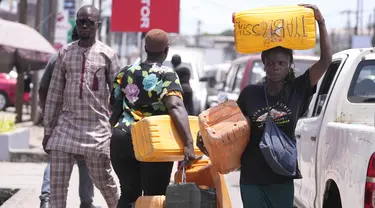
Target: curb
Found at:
28, 156
20, 199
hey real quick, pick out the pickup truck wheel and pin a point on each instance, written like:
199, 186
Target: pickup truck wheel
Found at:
332, 197
4, 101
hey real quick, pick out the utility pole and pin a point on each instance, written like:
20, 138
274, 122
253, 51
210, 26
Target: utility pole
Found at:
35, 75
348, 27
100, 17
197, 38
52, 21
108, 32
369, 25
357, 19
333, 40
22, 18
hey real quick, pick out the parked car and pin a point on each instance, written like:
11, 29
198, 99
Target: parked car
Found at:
215, 74
336, 137
248, 70
8, 85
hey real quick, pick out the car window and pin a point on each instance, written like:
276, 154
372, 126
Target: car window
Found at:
326, 85
257, 73
230, 77
239, 77
183, 64
362, 88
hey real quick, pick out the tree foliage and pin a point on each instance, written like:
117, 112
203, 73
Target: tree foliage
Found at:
227, 33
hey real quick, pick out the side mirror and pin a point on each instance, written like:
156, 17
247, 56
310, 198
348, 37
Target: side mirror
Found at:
203, 79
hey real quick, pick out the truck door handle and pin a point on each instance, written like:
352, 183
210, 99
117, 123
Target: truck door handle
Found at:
298, 136
313, 138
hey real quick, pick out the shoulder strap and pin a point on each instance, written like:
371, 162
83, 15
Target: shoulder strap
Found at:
266, 96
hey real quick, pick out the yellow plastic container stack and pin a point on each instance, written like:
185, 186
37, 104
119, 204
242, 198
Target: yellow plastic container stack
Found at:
260, 29
156, 139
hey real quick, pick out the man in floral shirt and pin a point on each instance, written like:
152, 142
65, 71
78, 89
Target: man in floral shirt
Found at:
139, 91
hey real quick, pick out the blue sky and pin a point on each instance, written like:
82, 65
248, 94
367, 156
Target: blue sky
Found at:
216, 15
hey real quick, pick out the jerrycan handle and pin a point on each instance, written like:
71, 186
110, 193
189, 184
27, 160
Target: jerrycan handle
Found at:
182, 167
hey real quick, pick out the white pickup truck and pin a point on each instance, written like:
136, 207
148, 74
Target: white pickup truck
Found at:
336, 136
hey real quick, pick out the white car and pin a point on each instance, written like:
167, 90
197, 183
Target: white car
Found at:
336, 136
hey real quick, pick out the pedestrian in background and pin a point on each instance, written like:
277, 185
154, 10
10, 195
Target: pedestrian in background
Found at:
184, 76
76, 115
86, 187
176, 61
27, 90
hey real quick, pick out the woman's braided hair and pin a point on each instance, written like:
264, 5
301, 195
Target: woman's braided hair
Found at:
291, 74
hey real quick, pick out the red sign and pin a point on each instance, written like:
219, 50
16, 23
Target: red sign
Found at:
144, 15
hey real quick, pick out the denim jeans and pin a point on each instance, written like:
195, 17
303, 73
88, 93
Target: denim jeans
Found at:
86, 187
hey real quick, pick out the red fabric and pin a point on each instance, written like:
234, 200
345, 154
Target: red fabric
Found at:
26, 97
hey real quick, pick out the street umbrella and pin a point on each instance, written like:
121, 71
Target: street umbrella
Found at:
23, 47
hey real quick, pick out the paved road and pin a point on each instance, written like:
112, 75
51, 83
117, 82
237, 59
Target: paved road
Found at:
30, 176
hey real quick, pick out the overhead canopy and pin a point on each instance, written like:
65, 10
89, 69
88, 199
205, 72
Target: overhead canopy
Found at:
23, 46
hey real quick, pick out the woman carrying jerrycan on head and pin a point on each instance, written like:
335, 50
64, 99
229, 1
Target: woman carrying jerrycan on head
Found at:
284, 98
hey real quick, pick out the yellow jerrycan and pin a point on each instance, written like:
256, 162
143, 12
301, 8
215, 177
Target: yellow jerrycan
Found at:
156, 139
263, 28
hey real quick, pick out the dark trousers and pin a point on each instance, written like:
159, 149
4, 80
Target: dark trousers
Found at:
268, 196
150, 177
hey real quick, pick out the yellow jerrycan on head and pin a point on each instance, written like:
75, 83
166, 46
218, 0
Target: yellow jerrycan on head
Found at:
260, 29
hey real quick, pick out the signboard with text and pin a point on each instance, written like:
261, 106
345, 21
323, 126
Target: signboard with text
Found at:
144, 15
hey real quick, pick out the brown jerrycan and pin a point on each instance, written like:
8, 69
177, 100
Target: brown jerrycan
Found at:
197, 172
225, 132
205, 175
150, 202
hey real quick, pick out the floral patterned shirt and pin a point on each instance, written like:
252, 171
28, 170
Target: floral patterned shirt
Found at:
138, 92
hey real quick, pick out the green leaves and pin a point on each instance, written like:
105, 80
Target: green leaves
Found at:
167, 83
144, 73
130, 80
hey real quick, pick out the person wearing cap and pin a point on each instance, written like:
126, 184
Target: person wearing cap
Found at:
141, 91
